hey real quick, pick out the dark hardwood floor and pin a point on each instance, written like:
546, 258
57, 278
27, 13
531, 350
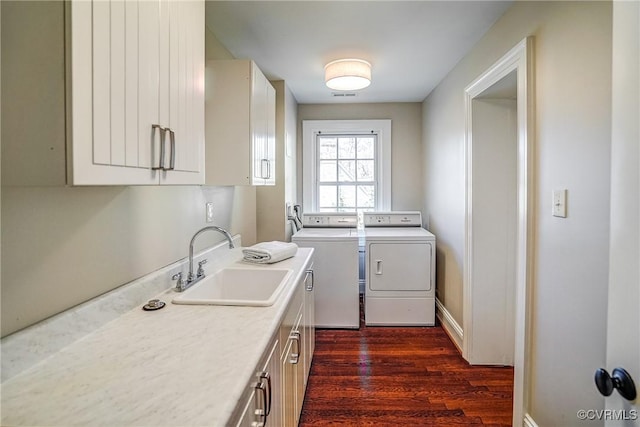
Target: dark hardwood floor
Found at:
390, 376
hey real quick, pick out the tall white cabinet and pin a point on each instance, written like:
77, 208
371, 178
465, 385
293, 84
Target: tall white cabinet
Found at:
240, 124
136, 86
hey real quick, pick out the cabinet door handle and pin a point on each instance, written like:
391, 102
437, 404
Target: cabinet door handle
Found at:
265, 376
295, 357
172, 139
153, 139
379, 267
264, 175
262, 405
309, 286
263, 409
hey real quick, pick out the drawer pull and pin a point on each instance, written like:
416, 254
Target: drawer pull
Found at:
295, 356
263, 389
309, 285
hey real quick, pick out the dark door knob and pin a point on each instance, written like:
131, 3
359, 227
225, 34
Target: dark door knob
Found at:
619, 380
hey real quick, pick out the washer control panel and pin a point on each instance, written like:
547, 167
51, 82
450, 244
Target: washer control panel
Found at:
393, 219
330, 220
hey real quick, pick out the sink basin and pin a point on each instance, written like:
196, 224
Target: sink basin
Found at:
237, 286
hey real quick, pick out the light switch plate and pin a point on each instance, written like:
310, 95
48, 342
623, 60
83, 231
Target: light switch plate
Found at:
559, 207
209, 211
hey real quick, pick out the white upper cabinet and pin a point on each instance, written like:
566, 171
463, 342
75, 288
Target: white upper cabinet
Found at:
136, 80
240, 113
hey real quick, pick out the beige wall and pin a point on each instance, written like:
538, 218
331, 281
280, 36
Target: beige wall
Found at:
244, 207
63, 245
291, 154
272, 223
573, 132
406, 147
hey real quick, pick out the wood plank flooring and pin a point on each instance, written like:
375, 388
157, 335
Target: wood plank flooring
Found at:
389, 376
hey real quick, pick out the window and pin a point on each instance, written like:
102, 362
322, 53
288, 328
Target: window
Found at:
346, 172
347, 165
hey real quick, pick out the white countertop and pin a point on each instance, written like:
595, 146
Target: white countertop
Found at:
183, 365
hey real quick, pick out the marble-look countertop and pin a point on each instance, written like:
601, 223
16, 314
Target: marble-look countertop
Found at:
183, 365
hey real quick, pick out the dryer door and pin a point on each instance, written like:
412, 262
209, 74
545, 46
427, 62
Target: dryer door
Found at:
399, 266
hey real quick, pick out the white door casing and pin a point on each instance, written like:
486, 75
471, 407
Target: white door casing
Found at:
623, 323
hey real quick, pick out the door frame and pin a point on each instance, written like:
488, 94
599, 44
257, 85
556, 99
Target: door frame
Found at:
519, 58
623, 320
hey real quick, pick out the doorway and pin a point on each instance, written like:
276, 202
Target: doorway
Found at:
493, 200
498, 223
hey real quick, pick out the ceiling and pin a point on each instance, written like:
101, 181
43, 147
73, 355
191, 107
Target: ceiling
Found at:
412, 45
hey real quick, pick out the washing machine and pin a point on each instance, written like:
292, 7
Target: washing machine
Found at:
334, 236
399, 270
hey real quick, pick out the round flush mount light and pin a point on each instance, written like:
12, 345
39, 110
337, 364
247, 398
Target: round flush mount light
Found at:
347, 74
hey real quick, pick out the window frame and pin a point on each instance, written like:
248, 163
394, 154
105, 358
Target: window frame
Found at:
312, 128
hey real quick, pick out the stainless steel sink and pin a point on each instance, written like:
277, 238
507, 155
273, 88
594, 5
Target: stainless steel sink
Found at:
237, 286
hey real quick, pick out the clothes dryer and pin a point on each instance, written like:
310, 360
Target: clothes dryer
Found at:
400, 270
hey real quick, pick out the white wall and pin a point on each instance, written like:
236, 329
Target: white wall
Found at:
406, 147
573, 110
63, 245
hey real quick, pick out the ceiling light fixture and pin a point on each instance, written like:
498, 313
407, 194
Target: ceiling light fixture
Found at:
347, 74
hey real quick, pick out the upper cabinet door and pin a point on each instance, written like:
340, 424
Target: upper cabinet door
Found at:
186, 91
270, 140
258, 124
263, 118
137, 92
100, 139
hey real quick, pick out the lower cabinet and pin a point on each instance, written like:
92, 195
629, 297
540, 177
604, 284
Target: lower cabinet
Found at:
277, 393
264, 405
292, 373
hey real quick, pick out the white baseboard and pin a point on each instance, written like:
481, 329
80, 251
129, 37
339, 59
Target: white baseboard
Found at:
528, 421
449, 324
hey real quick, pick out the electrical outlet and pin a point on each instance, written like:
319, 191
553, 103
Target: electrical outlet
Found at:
288, 211
209, 211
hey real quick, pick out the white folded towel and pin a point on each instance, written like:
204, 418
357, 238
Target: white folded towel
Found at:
269, 252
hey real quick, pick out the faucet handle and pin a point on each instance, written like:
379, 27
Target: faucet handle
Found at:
178, 277
200, 271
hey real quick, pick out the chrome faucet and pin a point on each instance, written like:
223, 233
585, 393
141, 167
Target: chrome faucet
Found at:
191, 279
